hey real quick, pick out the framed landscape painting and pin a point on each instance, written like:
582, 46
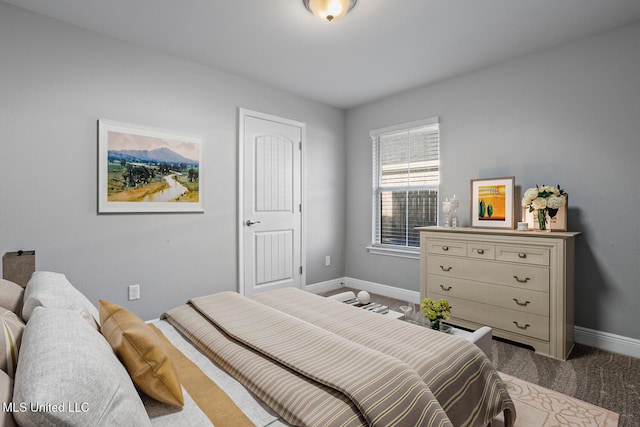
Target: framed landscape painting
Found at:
492, 202
144, 169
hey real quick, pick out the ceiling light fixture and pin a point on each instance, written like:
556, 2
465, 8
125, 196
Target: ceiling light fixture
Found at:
329, 10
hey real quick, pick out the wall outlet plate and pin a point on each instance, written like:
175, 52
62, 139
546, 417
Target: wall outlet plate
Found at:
134, 292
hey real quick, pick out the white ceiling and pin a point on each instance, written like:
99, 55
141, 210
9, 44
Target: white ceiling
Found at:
381, 47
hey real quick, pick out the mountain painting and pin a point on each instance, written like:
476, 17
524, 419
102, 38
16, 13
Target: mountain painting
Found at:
148, 170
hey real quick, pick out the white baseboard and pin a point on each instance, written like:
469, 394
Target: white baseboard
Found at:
318, 288
384, 290
607, 341
598, 339
363, 285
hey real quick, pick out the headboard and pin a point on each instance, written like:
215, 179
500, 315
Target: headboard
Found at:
18, 267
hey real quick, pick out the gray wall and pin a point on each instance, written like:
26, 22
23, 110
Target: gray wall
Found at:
568, 115
56, 80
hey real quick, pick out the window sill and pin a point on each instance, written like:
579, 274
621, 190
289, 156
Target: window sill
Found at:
396, 252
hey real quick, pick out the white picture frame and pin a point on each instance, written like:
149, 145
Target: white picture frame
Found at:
146, 169
492, 202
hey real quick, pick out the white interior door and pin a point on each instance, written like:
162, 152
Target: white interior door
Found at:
270, 202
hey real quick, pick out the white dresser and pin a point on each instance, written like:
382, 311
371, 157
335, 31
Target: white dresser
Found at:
520, 283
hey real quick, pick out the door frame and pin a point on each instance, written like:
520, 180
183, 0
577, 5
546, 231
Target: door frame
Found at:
242, 114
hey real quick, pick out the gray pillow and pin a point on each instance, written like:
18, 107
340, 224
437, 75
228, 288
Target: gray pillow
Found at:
64, 361
47, 289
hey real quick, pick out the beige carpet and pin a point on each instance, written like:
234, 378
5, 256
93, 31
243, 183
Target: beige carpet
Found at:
537, 406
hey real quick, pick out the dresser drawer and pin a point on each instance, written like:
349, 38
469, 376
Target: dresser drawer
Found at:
480, 251
445, 247
523, 254
530, 325
521, 276
518, 299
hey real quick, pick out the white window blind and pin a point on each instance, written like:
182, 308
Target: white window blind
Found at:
406, 164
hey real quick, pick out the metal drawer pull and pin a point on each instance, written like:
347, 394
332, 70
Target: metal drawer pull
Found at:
525, 280
522, 255
445, 248
447, 289
521, 327
481, 251
445, 269
524, 304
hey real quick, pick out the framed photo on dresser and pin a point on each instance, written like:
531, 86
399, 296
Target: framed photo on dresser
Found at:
492, 202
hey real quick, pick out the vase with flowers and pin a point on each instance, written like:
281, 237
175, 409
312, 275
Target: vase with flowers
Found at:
545, 200
436, 311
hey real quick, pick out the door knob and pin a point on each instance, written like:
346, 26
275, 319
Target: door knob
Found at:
250, 223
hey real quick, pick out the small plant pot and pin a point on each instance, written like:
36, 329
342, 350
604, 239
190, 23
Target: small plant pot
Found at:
439, 326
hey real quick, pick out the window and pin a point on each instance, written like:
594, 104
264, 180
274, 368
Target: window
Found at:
406, 177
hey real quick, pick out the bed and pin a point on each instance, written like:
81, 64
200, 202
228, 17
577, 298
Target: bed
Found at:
279, 358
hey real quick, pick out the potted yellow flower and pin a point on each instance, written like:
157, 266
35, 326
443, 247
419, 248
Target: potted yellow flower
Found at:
436, 311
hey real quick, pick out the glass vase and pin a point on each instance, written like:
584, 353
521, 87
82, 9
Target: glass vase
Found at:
543, 220
439, 326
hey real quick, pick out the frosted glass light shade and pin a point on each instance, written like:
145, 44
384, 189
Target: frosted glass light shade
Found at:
329, 10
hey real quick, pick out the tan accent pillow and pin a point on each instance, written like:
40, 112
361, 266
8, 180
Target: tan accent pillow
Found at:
142, 353
11, 296
10, 337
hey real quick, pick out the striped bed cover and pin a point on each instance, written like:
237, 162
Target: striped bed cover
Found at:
211, 396
316, 361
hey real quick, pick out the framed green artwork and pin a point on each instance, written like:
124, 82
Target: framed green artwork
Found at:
492, 202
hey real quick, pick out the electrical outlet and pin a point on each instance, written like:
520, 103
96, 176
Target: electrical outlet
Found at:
134, 292
327, 260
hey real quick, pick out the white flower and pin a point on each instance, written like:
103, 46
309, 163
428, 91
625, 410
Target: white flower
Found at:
529, 196
544, 198
552, 190
555, 202
539, 203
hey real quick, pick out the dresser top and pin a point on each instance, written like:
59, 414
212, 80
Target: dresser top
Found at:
502, 232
